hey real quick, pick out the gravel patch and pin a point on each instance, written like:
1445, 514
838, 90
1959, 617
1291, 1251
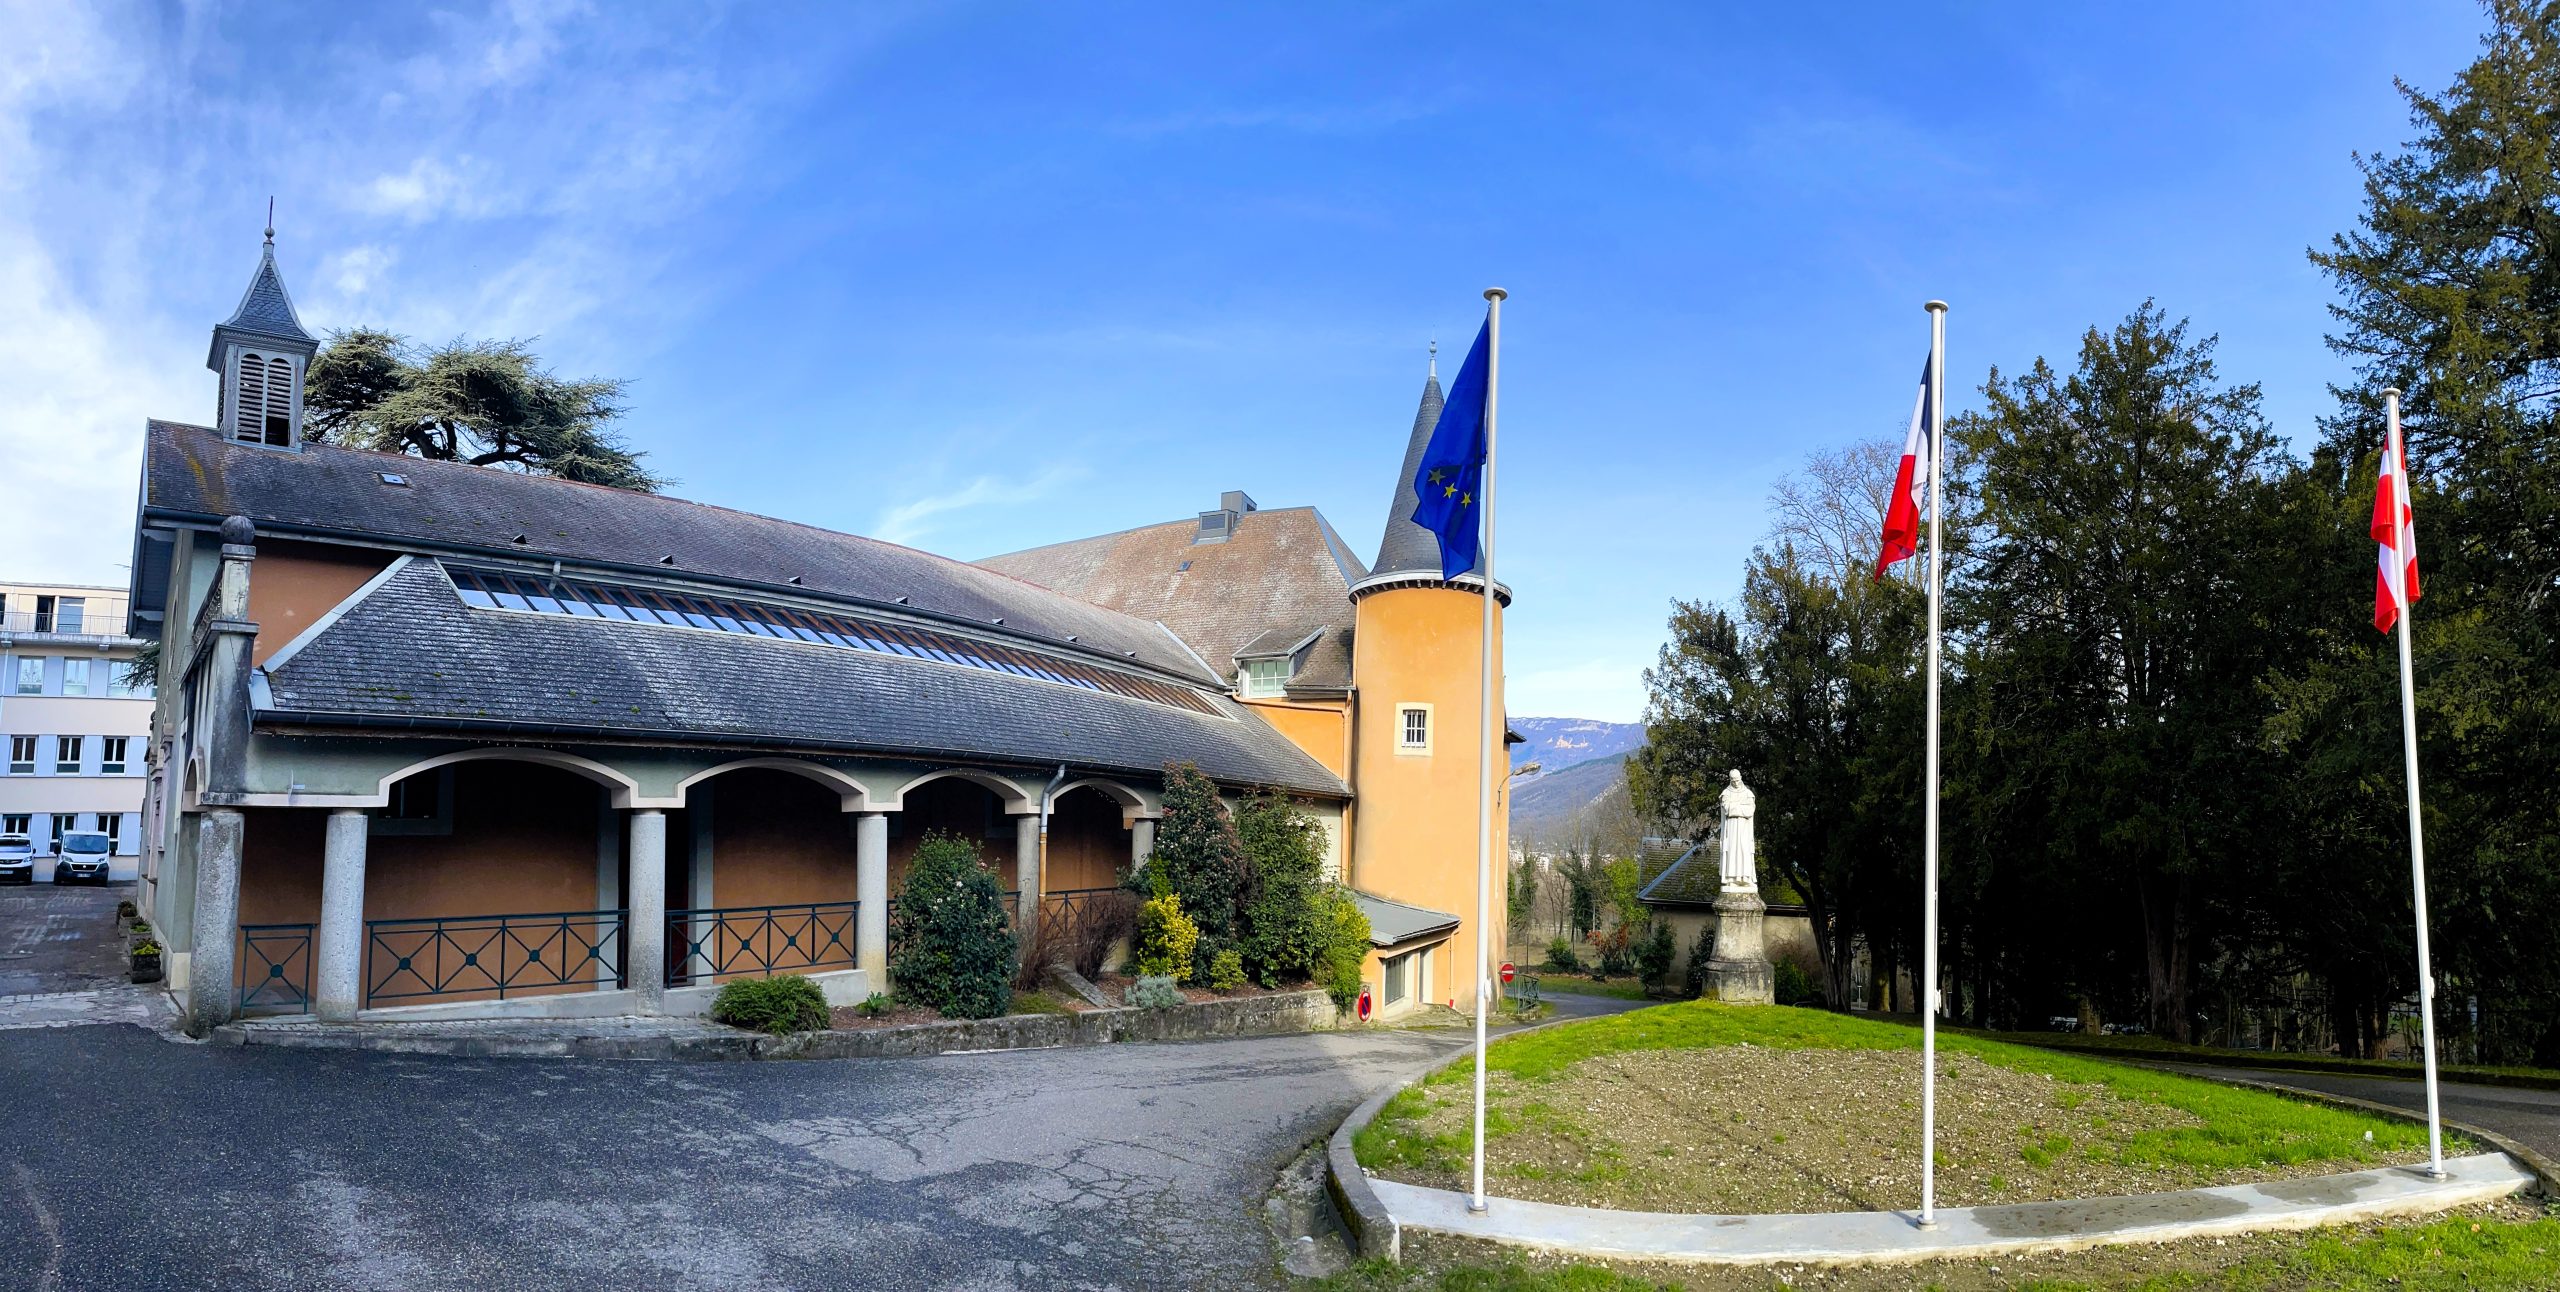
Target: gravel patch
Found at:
1744, 1129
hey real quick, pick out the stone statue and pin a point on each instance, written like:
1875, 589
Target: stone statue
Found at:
1739, 972
1741, 873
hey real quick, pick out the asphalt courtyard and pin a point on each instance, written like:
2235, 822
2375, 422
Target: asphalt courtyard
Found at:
127, 1161
59, 937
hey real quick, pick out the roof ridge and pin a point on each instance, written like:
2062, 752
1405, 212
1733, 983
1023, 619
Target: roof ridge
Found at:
1135, 529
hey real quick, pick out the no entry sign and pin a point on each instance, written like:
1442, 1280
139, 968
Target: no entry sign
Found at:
1508, 971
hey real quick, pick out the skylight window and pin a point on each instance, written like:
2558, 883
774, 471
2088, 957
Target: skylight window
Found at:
586, 599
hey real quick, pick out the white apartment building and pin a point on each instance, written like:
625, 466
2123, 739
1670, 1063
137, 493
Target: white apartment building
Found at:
75, 727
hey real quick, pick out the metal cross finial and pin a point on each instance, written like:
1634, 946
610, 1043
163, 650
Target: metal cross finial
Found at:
271, 220
1435, 358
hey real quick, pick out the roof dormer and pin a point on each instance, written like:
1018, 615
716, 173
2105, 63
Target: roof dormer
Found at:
262, 353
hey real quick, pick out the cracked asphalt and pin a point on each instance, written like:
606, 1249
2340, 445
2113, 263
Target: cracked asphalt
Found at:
127, 1161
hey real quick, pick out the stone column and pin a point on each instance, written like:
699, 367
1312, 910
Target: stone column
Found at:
337, 951
1142, 843
1026, 876
644, 932
212, 995
871, 889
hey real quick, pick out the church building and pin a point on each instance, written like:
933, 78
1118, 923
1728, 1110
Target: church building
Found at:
440, 740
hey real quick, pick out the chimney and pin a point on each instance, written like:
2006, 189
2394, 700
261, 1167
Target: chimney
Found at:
1220, 525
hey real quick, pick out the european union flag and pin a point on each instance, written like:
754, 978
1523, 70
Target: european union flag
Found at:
1446, 487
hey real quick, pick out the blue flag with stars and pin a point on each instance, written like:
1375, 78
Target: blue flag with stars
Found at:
1446, 487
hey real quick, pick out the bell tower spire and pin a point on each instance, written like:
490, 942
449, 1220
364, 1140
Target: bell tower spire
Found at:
262, 353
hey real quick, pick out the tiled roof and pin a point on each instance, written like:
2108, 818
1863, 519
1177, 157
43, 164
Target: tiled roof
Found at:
410, 653
265, 309
1691, 877
1396, 923
192, 473
1282, 574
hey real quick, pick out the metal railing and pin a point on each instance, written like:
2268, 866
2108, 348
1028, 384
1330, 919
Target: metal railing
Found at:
415, 959
1066, 912
97, 619
761, 940
273, 968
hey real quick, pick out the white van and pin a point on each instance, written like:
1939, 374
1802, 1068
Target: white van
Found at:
17, 859
84, 857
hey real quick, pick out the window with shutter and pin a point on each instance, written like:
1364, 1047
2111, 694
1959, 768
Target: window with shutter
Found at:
249, 404
279, 401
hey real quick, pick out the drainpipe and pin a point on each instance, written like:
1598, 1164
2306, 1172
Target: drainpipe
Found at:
1038, 887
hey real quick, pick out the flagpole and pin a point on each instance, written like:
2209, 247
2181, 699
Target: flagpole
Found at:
1492, 734
1929, 880
2417, 838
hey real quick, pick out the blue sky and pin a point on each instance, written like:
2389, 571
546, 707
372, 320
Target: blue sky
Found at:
978, 277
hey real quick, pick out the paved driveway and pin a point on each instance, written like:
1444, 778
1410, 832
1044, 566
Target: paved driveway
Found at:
59, 937
2532, 1117
128, 1161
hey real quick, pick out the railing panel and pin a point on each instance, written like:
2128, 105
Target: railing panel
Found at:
274, 967
492, 955
760, 941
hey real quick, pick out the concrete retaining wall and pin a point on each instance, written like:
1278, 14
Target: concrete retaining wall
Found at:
1281, 1012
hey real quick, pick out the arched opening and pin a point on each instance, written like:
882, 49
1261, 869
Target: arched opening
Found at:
486, 876
961, 807
1088, 845
760, 875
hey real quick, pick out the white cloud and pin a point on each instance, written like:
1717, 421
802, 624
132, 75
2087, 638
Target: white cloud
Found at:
910, 521
428, 189
357, 268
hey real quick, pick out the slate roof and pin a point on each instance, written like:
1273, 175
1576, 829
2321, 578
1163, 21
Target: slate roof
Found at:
1280, 575
1694, 877
194, 474
1408, 548
265, 309
410, 653
1396, 923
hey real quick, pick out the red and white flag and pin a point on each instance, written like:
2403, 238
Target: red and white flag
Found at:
1910, 498
2395, 582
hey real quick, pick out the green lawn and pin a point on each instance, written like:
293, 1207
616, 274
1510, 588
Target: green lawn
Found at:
2495, 1256
2236, 1128
2152, 1047
1557, 984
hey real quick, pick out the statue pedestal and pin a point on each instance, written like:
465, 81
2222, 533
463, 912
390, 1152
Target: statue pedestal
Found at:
1740, 974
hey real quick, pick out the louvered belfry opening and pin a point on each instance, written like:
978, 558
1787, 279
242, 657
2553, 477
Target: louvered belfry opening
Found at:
279, 403
249, 404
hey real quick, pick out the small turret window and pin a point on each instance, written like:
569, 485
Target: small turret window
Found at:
279, 422
1413, 728
250, 402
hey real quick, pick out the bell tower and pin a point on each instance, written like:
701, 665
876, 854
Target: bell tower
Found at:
262, 354
1419, 724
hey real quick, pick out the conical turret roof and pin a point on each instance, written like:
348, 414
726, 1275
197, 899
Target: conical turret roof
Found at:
1407, 547
266, 312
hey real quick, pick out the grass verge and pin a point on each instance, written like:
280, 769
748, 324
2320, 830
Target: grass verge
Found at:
2152, 1047
1576, 985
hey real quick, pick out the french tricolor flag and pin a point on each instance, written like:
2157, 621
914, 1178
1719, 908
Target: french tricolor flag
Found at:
1909, 499
2395, 581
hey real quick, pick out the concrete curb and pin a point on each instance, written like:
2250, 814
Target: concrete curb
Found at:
2546, 1172
1278, 1014
1374, 1231
1377, 1233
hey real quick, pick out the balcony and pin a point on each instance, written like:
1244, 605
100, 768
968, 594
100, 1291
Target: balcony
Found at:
91, 619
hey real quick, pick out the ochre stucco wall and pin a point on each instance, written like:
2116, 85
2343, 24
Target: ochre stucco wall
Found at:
1414, 836
293, 584
951, 806
1315, 728
777, 840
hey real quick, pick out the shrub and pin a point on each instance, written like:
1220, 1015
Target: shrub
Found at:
1167, 939
782, 1004
1198, 855
1654, 955
1284, 853
1793, 986
1155, 991
873, 1005
1102, 921
948, 944
124, 910
1700, 952
1609, 952
1346, 945
1226, 972
146, 947
1560, 956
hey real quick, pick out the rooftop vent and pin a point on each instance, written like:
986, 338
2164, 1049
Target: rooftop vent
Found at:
393, 478
520, 540
1220, 525
794, 580
668, 559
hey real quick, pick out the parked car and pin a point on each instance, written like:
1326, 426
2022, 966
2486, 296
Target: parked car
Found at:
84, 857
17, 859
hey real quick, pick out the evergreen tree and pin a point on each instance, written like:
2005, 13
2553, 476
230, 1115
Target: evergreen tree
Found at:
1283, 846
1199, 856
488, 403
